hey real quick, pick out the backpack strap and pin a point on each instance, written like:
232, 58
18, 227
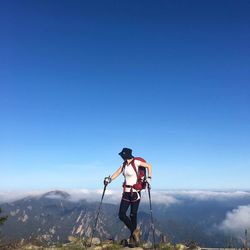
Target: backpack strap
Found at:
134, 167
123, 166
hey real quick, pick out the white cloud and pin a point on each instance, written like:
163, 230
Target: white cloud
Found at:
161, 197
9, 196
114, 196
111, 196
166, 197
209, 195
237, 220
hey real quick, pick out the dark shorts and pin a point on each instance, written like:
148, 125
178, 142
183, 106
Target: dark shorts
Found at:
131, 197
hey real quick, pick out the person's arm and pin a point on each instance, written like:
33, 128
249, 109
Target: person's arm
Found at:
149, 167
117, 173
108, 179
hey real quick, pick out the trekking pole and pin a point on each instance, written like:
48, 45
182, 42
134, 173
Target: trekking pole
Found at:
94, 229
151, 213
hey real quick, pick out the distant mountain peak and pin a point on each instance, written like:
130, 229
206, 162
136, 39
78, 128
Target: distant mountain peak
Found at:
56, 194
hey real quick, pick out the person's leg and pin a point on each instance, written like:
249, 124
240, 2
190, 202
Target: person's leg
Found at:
125, 203
136, 233
133, 211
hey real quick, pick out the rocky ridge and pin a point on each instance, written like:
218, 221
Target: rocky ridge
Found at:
76, 243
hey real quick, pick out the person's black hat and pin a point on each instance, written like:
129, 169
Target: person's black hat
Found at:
126, 153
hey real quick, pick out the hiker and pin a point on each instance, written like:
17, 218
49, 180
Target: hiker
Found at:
131, 189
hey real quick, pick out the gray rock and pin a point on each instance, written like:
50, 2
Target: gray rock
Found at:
95, 241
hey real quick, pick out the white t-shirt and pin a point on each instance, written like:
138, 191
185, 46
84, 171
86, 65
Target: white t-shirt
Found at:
130, 175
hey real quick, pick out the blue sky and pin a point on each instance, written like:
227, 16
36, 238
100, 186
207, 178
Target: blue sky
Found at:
79, 80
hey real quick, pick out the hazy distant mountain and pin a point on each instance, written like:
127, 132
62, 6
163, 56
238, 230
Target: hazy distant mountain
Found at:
53, 216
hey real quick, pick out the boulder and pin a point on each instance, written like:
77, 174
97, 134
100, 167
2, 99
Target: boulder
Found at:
147, 245
73, 239
95, 241
180, 247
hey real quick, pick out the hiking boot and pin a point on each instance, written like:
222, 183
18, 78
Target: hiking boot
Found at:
136, 235
131, 240
124, 243
131, 243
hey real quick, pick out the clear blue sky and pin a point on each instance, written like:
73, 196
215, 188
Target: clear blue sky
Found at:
79, 80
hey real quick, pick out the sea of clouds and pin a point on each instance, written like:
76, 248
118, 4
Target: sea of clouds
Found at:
237, 220
166, 197
234, 220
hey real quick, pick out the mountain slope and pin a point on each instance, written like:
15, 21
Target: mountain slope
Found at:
53, 216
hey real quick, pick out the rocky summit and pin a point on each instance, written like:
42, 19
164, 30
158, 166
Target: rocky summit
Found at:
96, 244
